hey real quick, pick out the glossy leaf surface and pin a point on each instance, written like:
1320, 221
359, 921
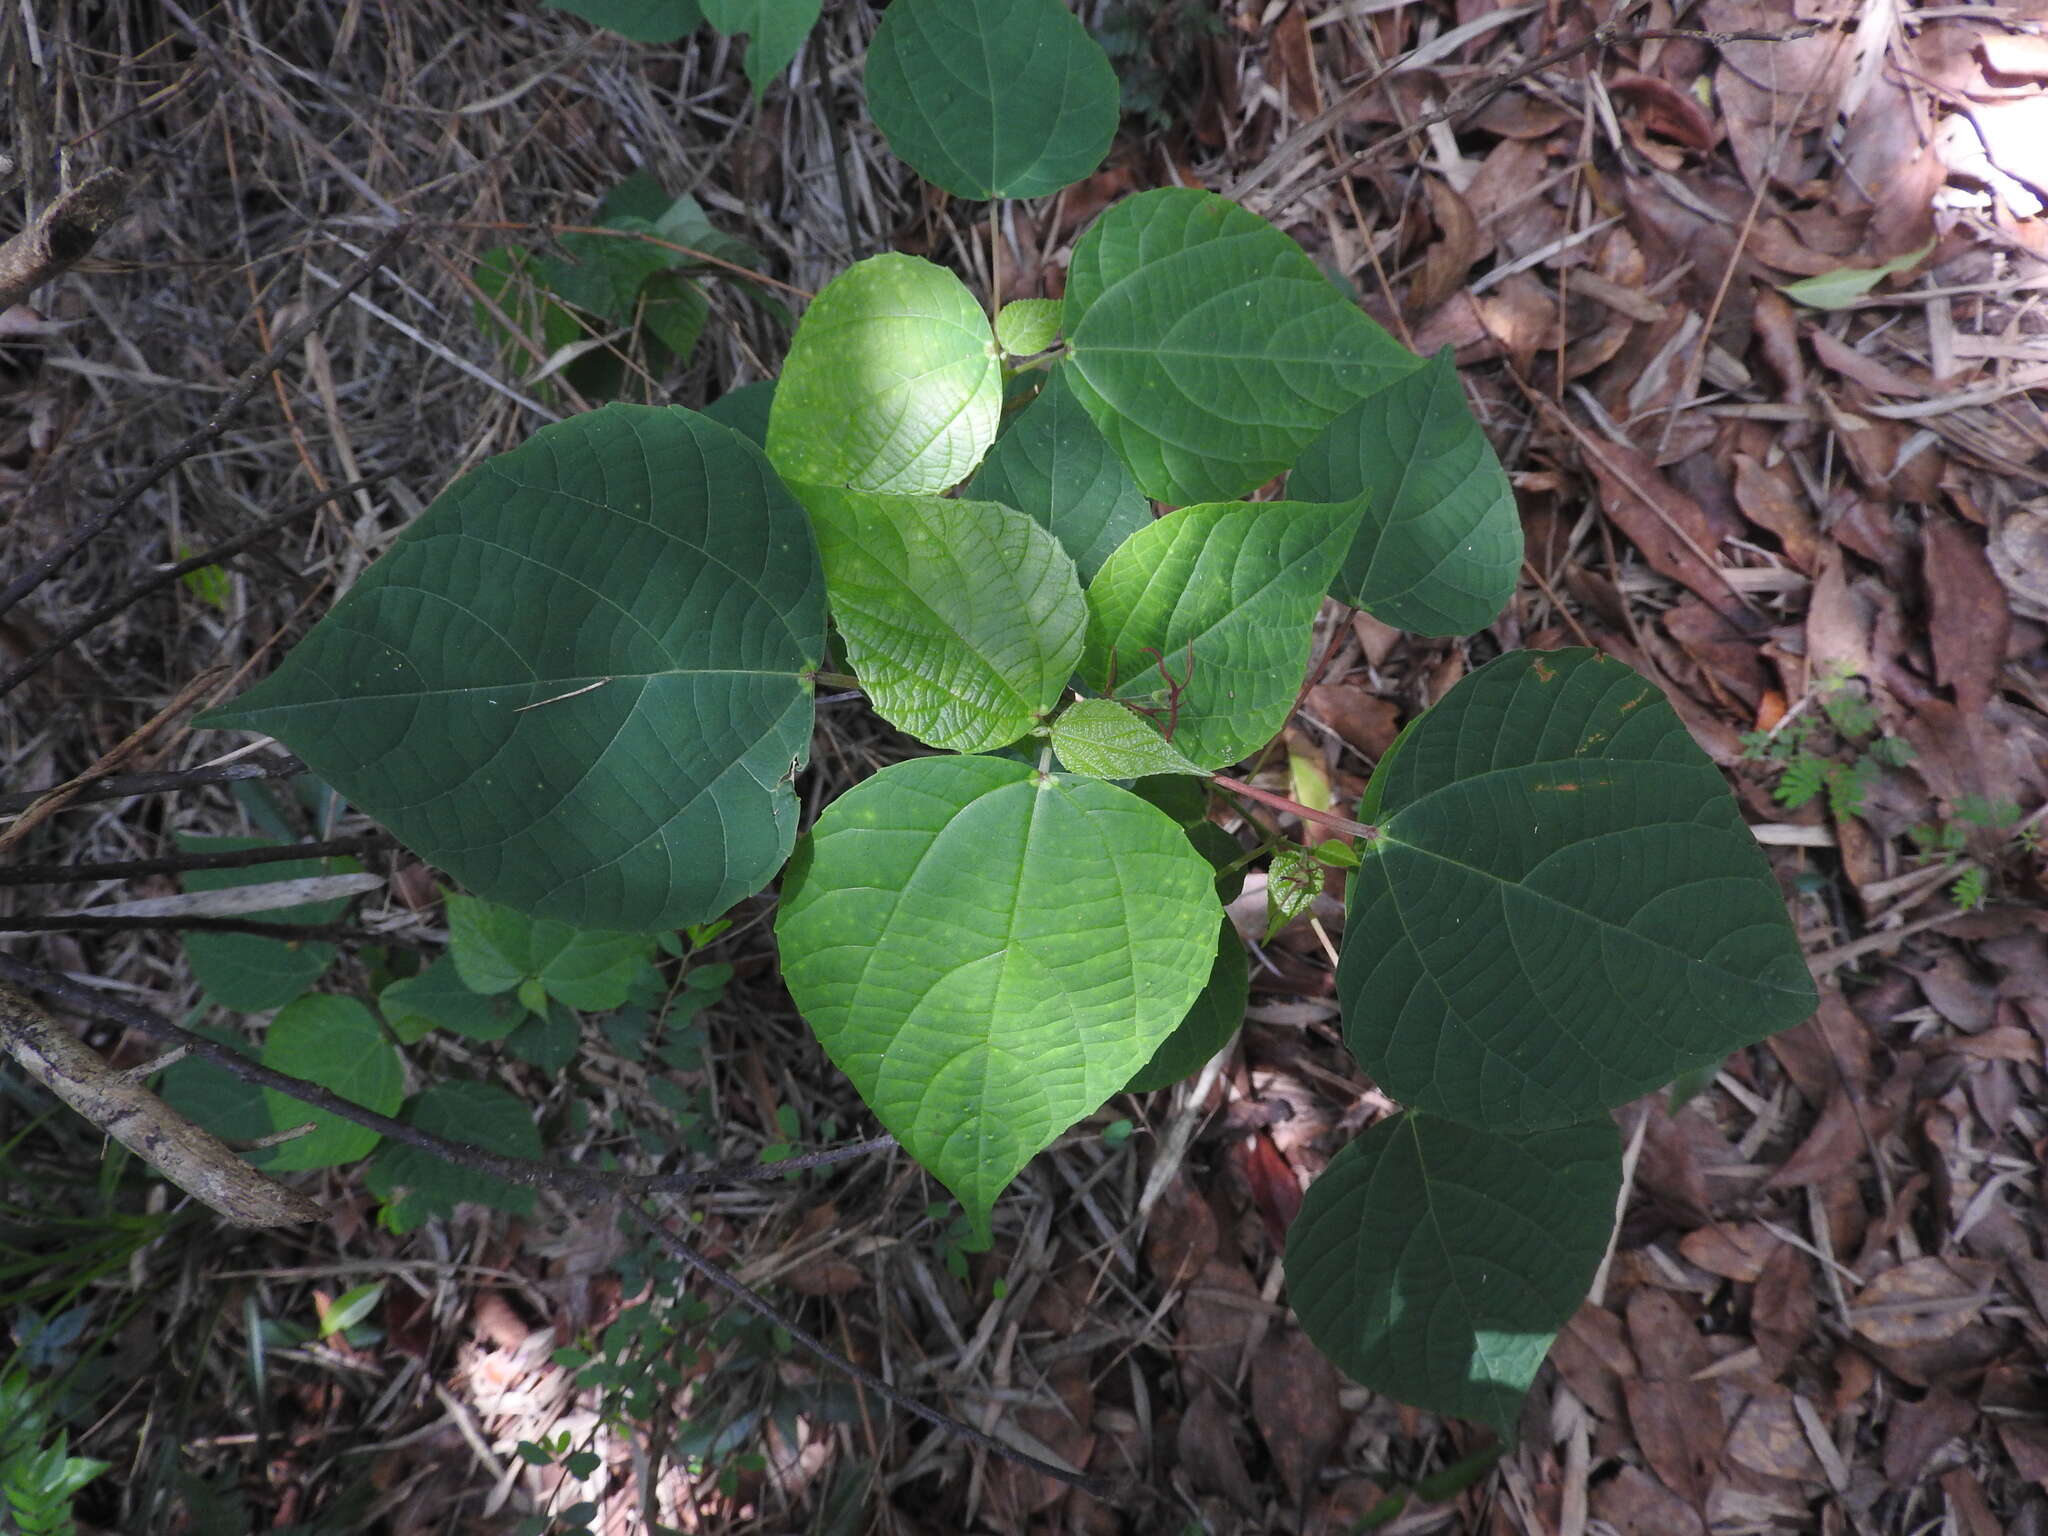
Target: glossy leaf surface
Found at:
892, 383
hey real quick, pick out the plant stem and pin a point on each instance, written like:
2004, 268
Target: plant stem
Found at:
1296, 808
835, 679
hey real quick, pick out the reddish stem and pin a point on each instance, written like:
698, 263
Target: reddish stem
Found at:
1295, 807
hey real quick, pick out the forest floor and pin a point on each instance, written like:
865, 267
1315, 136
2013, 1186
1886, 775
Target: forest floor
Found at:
1756, 323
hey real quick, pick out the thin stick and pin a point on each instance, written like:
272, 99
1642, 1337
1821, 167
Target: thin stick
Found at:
238, 858
226, 549
122, 786
587, 1184
1610, 34
214, 426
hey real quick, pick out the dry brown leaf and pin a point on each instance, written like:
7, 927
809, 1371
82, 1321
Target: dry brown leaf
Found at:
1366, 721
1663, 522
1636, 1504
1217, 1315
1450, 257
1917, 1430
1207, 1447
1782, 1308
1774, 501
1732, 1250
1677, 1425
1294, 1404
1923, 1301
1839, 357
1968, 613
1293, 60
1767, 1437
1591, 1353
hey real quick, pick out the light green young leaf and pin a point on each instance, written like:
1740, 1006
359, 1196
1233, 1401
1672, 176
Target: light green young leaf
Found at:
642, 21
332, 1041
1208, 347
989, 954
1564, 909
963, 619
1028, 326
1225, 594
1108, 740
350, 1308
1210, 1023
1054, 464
579, 681
1292, 882
418, 1186
1440, 544
497, 949
1845, 285
892, 382
243, 971
775, 30
992, 98
1435, 1262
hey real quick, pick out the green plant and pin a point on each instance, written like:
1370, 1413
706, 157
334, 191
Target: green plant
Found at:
581, 683
1833, 748
624, 300
38, 1474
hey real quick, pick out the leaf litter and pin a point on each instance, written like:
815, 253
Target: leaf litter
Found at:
1817, 527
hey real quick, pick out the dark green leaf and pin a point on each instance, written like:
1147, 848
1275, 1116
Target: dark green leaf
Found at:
417, 1186
242, 971
332, 1041
578, 681
1564, 909
1208, 347
1435, 1263
1440, 544
643, 21
992, 98
1055, 465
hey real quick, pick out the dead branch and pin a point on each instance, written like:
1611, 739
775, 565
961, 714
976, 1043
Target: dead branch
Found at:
62, 236
195, 1160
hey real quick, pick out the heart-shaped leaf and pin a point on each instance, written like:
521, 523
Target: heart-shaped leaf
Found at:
1216, 601
1210, 1023
1563, 909
1108, 740
1441, 543
989, 953
775, 29
992, 98
1435, 1263
1208, 347
332, 1041
963, 619
578, 682
1054, 464
893, 382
